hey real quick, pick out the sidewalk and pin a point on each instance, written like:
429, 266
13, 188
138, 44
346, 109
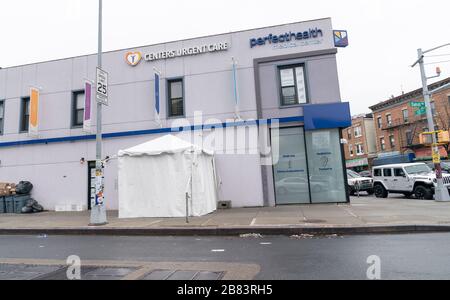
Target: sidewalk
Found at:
363, 215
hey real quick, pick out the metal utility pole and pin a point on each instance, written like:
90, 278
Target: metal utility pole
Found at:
98, 212
441, 193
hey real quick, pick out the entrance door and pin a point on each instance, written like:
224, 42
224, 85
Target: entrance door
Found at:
91, 184
290, 169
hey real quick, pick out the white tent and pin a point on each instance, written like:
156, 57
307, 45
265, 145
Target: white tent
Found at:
155, 176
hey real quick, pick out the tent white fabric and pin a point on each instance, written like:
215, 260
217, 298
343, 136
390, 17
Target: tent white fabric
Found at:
155, 176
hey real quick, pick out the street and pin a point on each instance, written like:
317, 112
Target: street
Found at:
418, 256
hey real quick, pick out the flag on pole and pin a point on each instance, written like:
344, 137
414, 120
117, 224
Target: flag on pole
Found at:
87, 119
235, 90
34, 112
157, 97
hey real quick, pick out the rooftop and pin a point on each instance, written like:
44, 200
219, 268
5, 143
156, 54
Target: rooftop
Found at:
434, 87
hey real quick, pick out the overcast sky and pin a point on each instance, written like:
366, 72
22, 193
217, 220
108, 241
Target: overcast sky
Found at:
384, 34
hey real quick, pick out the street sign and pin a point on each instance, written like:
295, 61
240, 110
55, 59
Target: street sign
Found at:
422, 111
417, 104
102, 86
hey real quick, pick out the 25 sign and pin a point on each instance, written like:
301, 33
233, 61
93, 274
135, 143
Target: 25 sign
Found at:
102, 86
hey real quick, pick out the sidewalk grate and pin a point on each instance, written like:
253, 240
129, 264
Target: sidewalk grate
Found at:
183, 275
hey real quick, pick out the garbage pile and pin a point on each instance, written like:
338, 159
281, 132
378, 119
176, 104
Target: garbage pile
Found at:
16, 198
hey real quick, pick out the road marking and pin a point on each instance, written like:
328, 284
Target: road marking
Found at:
218, 250
265, 243
253, 222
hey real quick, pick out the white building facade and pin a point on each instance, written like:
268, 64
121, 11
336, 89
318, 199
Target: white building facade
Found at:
284, 76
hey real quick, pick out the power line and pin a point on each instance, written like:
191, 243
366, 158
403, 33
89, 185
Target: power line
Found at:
438, 55
438, 62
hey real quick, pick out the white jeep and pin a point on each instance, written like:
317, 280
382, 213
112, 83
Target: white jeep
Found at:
409, 179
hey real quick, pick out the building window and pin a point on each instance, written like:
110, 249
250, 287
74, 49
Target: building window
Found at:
176, 97
77, 109
293, 85
380, 122
392, 141
349, 134
358, 131
360, 149
405, 113
2, 116
389, 120
382, 144
350, 150
409, 139
25, 114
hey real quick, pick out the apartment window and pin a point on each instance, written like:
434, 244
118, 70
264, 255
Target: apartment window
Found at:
24, 114
389, 120
350, 150
360, 149
405, 113
176, 97
409, 138
77, 108
380, 122
2, 116
293, 85
382, 144
392, 141
358, 131
349, 134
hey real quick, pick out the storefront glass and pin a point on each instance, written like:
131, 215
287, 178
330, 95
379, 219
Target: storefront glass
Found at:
325, 166
291, 173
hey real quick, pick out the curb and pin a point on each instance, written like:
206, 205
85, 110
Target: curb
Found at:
230, 231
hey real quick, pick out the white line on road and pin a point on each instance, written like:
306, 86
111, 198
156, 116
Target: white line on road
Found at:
253, 222
265, 243
218, 250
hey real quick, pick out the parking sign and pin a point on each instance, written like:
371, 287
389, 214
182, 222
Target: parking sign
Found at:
102, 86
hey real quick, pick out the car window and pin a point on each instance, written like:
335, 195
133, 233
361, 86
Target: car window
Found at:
377, 173
399, 173
418, 169
387, 172
353, 174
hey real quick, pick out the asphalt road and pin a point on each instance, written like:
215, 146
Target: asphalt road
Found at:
419, 256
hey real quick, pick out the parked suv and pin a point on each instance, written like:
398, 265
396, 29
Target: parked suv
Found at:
409, 179
357, 182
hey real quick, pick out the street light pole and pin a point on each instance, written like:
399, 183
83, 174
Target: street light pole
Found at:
98, 211
441, 193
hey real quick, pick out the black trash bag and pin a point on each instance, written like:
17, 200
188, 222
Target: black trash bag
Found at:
24, 188
27, 210
37, 208
31, 202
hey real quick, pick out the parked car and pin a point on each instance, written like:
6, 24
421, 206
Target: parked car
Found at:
367, 174
408, 179
358, 183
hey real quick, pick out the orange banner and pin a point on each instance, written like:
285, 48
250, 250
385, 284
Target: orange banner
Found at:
34, 111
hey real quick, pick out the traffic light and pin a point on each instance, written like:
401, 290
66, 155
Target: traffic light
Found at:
443, 137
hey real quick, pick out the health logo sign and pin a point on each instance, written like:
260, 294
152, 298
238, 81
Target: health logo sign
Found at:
133, 58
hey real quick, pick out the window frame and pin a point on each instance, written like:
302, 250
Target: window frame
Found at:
24, 127
383, 144
392, 141
280, 87
169, 81
389, 120
74, 109
358, 148
388, 170
2, 117
380, 122
358, 131
405, 119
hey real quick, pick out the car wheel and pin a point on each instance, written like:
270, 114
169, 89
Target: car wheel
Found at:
380, 191
423, 193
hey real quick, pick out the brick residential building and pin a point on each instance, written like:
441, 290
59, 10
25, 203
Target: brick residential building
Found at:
398, 123
361, 144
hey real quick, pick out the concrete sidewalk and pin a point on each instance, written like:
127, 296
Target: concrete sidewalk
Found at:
363, 215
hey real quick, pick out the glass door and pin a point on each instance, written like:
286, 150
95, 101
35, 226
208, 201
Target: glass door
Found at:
290, 169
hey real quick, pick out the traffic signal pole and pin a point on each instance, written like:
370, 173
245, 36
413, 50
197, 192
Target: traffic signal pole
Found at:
441, 192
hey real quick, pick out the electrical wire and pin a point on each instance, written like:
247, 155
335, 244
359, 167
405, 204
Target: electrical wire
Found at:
438, 62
